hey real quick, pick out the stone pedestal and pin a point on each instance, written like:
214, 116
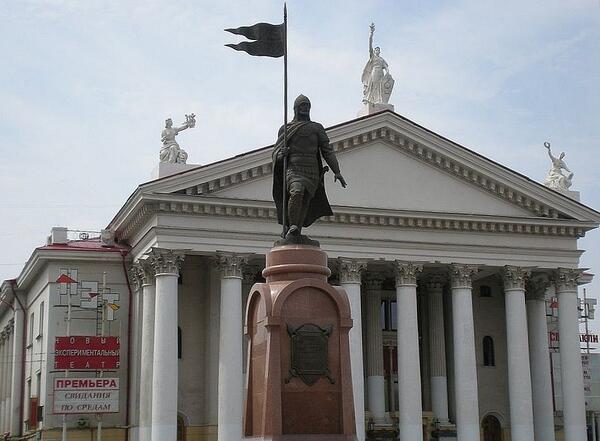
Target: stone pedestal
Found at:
299, 385
369, 108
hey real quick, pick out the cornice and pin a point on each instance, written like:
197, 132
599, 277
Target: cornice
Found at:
263, 210
391, 129
468, 167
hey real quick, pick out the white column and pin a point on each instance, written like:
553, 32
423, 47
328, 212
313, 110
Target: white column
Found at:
16, 394
409, 371
3, 368
166, 264
539, 359
146, 275
465, 369
375, 378
437, 347
519, 375
231, 388
9, 373
350, 278
570, 355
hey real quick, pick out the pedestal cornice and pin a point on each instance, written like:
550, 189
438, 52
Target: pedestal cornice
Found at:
351, 270
164, 261
515, 277
461, 275
406, 273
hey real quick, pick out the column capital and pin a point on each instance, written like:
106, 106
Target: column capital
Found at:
165, 261
11, 326
374, 281
435, 282
515, 277
406, 272
249, 274
535, 288
134, 276
351, 270
565, 279
461, 275
230, 265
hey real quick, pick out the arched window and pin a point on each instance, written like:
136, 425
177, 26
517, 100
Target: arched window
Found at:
179, 344
491, 428
485, 291
488, 351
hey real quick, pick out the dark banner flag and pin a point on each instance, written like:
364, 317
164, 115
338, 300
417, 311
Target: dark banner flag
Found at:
268, 40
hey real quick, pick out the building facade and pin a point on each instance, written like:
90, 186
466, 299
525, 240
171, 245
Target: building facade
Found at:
446, 257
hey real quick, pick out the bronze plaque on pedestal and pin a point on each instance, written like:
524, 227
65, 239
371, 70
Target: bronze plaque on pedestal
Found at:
309, 344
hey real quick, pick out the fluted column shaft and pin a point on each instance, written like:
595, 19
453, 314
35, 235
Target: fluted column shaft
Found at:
519, 374
465, 369
375, 378
17, 372
166, 264
3, 374
539, 359
350, 279
570, 355
9, 373
409, 370
148, 293
437, 348
231, 387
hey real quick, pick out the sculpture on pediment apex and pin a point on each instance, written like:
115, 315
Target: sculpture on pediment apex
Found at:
556, 178
170, 151
376, 78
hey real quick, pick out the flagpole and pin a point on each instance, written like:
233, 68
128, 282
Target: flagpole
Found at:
285, 120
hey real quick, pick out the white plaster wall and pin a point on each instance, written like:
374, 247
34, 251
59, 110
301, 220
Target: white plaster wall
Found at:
401, 182
193, 308
56, 326
489, 319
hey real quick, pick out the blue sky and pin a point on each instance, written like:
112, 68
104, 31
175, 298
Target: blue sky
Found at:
86, 86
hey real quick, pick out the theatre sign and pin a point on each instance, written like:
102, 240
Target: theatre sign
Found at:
86, 395
87, 353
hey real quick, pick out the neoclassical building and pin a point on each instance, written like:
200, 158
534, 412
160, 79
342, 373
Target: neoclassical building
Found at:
446, 256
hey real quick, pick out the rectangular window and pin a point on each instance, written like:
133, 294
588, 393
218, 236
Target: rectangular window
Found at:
41, 321
393, 316
27, 401
30, 335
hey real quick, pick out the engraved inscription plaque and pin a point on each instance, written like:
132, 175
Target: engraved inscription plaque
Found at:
309, 345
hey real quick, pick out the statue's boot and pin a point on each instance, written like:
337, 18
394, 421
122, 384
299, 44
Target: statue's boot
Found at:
295, 213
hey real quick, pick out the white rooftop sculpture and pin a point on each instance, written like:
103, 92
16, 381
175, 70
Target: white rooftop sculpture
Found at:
556, 178
377, 81
170, 151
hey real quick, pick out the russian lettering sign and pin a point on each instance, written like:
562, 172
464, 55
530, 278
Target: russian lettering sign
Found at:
87, 353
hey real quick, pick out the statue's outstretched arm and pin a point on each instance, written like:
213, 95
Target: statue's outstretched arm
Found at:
372, 27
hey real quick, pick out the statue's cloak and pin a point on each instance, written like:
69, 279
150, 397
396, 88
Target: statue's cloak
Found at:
319, 204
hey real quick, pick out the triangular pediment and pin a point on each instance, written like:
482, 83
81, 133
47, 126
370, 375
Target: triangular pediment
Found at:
395, 168
392, 163
382, 176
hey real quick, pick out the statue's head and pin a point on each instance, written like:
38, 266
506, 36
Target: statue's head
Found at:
168, 123
562, 155
302, 108
377, 50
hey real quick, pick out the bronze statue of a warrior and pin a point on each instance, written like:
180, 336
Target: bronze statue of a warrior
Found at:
307, 142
